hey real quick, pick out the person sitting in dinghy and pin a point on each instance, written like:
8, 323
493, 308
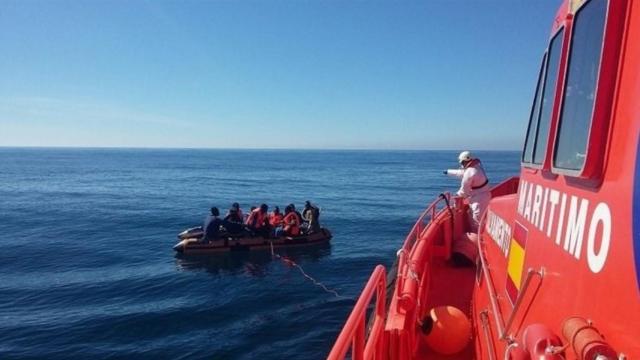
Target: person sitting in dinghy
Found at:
474, 185
276, 217
258, 221
245, 218
233, 222
236, 211
212, 226
291, 222
293, 208
311, 215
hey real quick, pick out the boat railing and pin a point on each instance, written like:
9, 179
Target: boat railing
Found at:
353, 335
506, 187
424, 221
455, 207
410, 266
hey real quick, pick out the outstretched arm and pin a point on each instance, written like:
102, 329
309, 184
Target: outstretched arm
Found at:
454, 172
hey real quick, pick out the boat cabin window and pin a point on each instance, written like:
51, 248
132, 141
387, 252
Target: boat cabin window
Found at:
548, 94
580, 90
538, 133
527, 154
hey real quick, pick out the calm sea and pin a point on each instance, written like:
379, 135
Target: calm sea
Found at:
87, 268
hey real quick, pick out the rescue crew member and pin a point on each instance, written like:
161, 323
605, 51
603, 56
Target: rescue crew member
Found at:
291, 221
311, 214
212, 226
258, 221
474, 185
276, 217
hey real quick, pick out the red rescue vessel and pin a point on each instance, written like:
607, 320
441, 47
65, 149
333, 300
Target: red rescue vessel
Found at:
555, 268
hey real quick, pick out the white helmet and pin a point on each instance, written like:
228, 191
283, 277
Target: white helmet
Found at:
465, 156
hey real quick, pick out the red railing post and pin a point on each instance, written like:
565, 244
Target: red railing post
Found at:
353, 333
357, 348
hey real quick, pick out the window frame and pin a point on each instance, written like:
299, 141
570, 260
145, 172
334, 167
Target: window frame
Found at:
537, 95
605, 87
554, 105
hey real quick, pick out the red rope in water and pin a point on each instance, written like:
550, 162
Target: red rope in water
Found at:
314, 281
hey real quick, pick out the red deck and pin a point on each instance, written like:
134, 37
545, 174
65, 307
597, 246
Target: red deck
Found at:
450, 285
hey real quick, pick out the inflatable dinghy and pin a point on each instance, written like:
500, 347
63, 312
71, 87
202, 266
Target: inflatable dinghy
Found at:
191, 241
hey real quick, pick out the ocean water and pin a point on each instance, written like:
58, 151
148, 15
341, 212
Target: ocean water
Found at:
87, 268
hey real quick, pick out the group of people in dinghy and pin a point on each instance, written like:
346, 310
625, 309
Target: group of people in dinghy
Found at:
260, 222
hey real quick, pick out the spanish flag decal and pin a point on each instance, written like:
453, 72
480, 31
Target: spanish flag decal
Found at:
515, 263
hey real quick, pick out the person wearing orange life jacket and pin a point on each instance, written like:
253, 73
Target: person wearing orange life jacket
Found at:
291, 222
245, 217
293, 208
258, 221
474, 186
276, 218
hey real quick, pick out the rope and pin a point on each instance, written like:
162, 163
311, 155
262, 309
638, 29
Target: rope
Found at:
314, 281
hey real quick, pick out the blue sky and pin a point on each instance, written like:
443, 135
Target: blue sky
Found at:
270, 74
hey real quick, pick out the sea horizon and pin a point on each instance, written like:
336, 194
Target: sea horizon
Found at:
245, 148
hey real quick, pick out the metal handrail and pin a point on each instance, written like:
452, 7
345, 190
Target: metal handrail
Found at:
353, 333
484, 318
530, 273
502, 328
406, 251
417, 230
492, 291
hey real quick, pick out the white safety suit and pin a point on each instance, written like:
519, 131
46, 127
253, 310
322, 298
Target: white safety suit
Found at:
474, 187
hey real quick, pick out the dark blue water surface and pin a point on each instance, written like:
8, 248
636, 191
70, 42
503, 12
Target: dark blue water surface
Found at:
88, 270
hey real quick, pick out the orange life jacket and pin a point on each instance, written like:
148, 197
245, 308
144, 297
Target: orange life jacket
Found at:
292, 224
256, 219
275, 219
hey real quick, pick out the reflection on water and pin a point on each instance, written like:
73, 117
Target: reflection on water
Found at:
253, 263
